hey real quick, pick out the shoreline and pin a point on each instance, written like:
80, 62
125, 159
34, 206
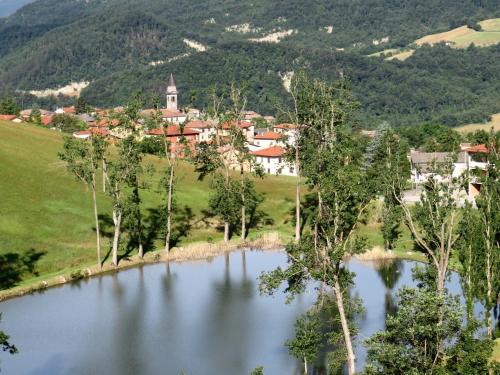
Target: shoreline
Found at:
190, 252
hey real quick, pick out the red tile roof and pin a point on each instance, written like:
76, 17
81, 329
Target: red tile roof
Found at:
269, 135
70, 110
241, 124
172, 131
7, 117
46, 120
477, 149
285, 126
197, 124
272, 152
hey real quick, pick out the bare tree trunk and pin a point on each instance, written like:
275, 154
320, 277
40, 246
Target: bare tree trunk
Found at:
345, 328
297, 202
169, 209
104, 175
96, 217
243, 208
489, 288
226, 231
305, 365
117, 219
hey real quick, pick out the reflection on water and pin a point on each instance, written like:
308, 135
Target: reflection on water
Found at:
198, 317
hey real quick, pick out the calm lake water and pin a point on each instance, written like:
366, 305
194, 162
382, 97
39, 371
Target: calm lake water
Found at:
203, 318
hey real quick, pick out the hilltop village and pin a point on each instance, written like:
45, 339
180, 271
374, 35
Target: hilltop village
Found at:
266, 139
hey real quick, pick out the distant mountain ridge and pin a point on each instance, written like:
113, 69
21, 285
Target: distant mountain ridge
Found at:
7, 7
51, 43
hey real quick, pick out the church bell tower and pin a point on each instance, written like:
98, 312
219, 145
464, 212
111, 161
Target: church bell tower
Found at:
171, 94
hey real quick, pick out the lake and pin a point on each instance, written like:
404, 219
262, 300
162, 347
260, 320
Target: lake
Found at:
203, 318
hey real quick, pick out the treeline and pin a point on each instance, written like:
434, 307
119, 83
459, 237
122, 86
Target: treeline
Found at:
438, 84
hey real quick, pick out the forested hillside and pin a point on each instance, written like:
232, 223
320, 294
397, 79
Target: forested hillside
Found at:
122, 46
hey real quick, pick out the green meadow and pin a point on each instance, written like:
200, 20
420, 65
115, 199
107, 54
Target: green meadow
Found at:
43, 209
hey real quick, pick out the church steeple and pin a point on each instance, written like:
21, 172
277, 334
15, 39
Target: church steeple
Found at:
171, 93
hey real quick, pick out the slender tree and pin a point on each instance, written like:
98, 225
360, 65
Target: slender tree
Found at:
333, 167
308, 337
82, 160
488, 204
226, 150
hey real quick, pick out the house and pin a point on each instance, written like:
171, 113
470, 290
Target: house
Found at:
173, 135
267, 139
289, 130
47, 120
7, 117
246, 127
272, 161
66, 110
250, 115
471, 159
421, 163
203, 127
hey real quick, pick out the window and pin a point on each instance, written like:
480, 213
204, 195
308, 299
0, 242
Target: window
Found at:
279, 160
268, 159
291, 169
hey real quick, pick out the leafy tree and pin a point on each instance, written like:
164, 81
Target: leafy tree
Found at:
5, 344
36, 116
9, 107
67, 123
258, 371
123, 172
488, 203
81, 105
308, 338
82, 158
410, 343
333, 167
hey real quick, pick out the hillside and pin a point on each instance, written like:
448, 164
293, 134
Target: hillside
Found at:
44, 209
121, 46
460, 37
493, 123
7, 7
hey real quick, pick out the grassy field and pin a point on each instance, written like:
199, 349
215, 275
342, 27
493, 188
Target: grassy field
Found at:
44, 209
470, 128
496, 351
461, 37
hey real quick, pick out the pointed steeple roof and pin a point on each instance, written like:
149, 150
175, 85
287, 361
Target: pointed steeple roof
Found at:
171, 81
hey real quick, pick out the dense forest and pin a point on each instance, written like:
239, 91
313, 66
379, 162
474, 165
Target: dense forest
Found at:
112, 43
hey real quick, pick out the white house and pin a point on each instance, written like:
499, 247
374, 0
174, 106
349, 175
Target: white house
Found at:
289, 130
267, 139
272, 161
203, 127
468, 159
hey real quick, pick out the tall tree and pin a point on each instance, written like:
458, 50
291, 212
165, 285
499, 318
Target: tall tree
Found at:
226, 149
294, 147
123, 173
307, 342
488, 204
82, 160
8, 106
333, 167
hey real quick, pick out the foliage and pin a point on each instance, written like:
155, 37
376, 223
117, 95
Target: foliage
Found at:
112, 44
409, 345
258, 371
8, 106
5, 345
306, 344
67, 123
431, 137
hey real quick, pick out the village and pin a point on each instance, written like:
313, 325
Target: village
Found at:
267, 141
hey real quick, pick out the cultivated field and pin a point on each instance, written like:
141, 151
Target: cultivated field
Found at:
461, 37
494, 123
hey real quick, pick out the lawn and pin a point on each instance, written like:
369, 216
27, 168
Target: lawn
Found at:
44, 209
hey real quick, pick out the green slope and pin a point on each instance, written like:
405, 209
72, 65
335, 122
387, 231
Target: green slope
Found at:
43, 208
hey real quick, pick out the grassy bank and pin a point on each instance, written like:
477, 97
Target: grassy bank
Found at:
46, 217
